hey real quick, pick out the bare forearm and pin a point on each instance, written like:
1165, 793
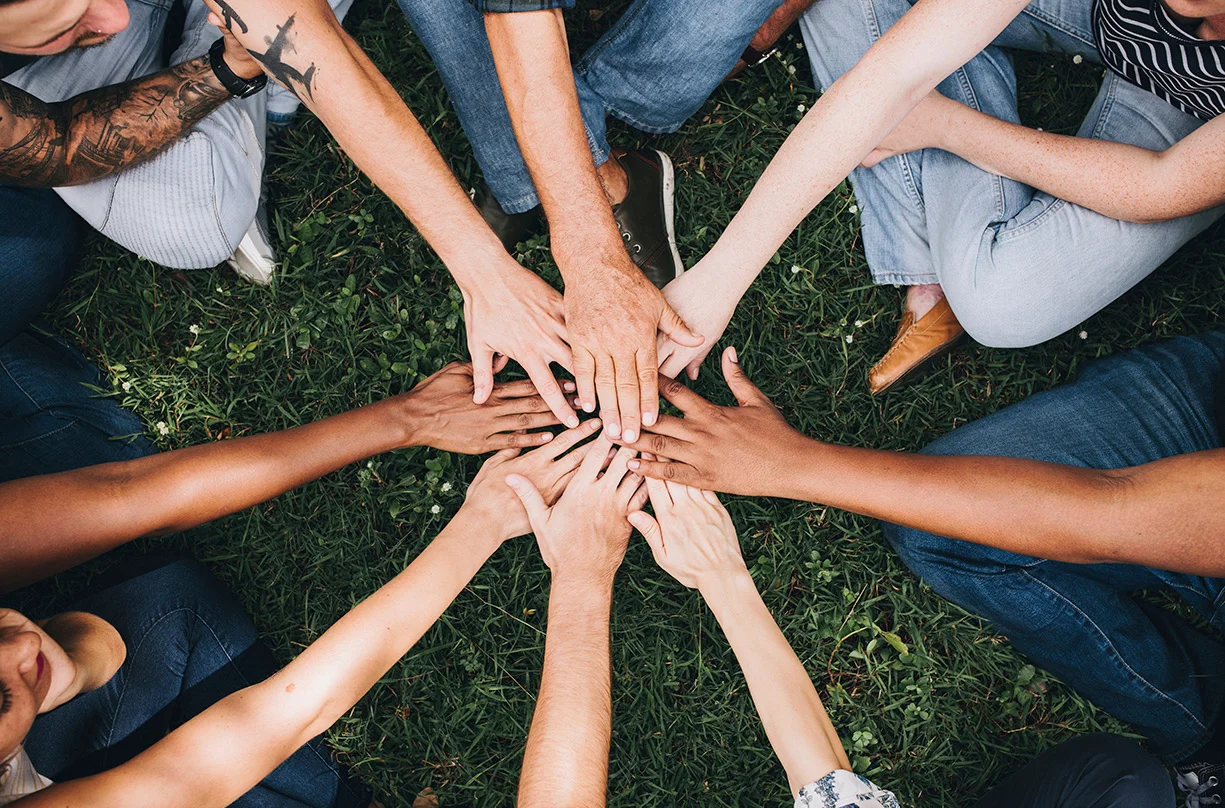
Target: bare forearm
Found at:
566, 761
53, 522
1114, 179
1161, 514
534, 67
791, 711
279, 715
100, 132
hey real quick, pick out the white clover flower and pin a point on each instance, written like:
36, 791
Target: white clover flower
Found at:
796, 269
860, 323
435, 509
799, 46
1083, 335
853, 209
194, 329
162, 429
791, 69
127, 387
800, 108
369, 464
1077, 59
446, 487
850, 338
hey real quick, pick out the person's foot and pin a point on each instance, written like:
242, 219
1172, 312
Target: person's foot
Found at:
512, 229
254, 259
927, 331
1203, 784
646, 216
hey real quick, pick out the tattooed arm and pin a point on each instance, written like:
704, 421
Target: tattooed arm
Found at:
102, 131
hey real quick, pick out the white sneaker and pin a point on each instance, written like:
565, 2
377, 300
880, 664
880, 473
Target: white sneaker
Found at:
253, 259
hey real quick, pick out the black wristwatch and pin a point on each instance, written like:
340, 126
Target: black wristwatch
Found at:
753, 57
238, 86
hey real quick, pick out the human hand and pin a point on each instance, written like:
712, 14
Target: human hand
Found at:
440, 412
691, 536
613, 315
513, 312
583, 536
237, 58
738, 450
921, 129
707, 312
548, 468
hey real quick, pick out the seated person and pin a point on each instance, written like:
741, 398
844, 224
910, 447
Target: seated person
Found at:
1013, 264
1044, 517
205, 719
169, 163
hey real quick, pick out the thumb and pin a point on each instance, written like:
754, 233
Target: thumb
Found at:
533, 502
673, 326
745, 391
650, 531
482, 375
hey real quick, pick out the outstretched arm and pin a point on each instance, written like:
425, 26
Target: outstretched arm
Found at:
1161, 514
855, 114
53, 522
694, 540
1115, 179
612, 311
507, 309
583, 539
222, 753
97, 133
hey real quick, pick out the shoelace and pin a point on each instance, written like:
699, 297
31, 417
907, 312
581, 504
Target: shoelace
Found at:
1196, 791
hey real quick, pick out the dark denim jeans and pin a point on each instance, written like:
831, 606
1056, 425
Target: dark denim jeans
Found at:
1138, 662
190, 644
50, 419
1091, 771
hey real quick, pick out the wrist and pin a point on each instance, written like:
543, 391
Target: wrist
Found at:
723, 588
796, 478
482, 524
584, 585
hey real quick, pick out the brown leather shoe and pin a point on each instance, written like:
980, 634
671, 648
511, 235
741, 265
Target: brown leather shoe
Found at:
916, 344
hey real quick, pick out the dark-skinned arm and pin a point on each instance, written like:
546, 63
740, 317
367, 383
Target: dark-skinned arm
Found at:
94, 134
55, 521
1164, 514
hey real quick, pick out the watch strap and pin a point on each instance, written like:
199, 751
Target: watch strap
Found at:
237, 85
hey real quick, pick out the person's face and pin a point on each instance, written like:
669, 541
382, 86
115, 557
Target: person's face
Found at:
42, 27
25, 678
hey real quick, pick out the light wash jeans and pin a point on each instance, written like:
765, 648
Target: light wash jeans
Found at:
189, 206
1018, 266
653, 69
1135, 660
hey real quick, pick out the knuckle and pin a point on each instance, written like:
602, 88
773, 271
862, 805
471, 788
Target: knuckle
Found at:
523, 419
672, 387
659, 444
670, 471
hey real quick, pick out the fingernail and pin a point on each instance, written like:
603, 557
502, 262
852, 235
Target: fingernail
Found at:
569, 387
572, 421
546, 437
634, 464
649, 419
630, 436
594, 423
614, 430
731, 354
588, 406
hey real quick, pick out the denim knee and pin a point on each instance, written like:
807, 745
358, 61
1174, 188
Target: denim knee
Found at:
1119, 769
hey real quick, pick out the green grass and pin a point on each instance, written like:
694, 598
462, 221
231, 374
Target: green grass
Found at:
363, 310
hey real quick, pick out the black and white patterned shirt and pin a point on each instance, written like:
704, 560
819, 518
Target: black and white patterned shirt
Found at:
1142, 42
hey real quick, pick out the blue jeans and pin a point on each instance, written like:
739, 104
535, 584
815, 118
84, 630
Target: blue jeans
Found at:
189, 645
1018, 266
653, 69
50, 418
1089, 771
1138, 662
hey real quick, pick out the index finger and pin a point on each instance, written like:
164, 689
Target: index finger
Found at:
550, 391
593, 463
681, 396
648, 387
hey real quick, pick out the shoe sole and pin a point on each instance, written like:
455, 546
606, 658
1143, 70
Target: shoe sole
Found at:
920, 367
670, 209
